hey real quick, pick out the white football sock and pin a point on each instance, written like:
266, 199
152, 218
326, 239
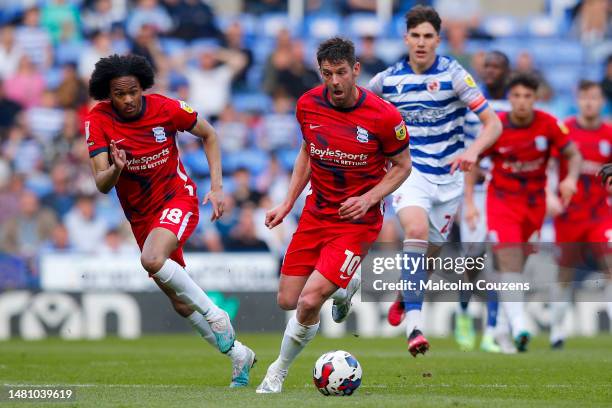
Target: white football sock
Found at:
296, 337
176, 278
560, 300
414, 320
199, 323
512, 303
489, 331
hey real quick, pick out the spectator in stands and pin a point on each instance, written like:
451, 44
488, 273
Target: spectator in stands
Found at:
279, 129
23, 150
456, 36
210, 83
61, 198
34, 40
370, 63
232, 40
100, 16
359, 6
592, 19
9, 109
27, 85
101, 46
232, 130
115, 244
243, 189
606, 83
146, 44
192, 19
229, 219
10, 53
61, 20
286, 70
265, 6
72, 91
243, 237
85, 228
47, 120
274, 181
25, 233
59, 241
10, 194
151, 13
464, 13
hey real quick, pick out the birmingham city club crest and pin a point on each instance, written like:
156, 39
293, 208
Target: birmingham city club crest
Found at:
160, 134
362, 135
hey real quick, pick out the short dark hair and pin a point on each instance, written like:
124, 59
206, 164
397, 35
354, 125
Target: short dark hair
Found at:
336, 50
586, 84
525, 79
117, 66
423, 14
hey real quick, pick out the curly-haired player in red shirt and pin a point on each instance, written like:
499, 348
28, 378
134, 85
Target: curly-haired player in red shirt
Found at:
132, 141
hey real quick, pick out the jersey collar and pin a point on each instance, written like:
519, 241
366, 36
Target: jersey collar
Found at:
362, 96
429, 71
135, 118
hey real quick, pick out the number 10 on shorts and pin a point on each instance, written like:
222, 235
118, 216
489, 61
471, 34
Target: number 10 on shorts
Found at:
351, 263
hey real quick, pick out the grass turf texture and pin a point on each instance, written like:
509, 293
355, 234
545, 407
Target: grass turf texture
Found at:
183, 371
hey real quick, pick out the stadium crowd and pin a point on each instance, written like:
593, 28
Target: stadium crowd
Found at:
244, 73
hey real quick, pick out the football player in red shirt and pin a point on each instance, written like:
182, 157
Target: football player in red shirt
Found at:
132, 144
350, 135
585, 226
516, 197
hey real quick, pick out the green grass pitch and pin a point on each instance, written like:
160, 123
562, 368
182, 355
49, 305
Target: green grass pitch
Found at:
184, 371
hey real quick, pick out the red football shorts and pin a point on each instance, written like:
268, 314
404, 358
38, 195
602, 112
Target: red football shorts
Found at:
333, 248
576, 238
511, 220
180, 215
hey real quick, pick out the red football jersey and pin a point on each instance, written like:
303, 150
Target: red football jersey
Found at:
348, 148
153, 173
591, 200
520, 155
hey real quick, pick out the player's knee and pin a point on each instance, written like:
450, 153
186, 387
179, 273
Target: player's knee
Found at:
152, 262
417, 231
310, 303
286, 302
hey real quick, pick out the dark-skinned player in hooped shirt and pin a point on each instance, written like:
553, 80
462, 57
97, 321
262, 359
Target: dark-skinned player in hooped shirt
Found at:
350, 135
132, 144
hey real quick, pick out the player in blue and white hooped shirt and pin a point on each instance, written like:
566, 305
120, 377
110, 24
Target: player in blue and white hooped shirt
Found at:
473, 229
433, 93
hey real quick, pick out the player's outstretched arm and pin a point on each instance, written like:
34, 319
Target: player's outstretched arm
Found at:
206, 132
356, 207
106, 175
299, 179
490, 132
569, 185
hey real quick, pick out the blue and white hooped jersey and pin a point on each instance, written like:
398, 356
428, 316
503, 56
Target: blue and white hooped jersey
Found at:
434, 105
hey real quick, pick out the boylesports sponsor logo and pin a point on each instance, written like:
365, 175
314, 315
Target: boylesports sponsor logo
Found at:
148, 162
523, 166
338, 156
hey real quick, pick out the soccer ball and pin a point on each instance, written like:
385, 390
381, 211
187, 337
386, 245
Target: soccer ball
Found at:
337, 373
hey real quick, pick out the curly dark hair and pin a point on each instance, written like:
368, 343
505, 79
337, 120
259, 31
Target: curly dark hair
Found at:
117, 66
526, 79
